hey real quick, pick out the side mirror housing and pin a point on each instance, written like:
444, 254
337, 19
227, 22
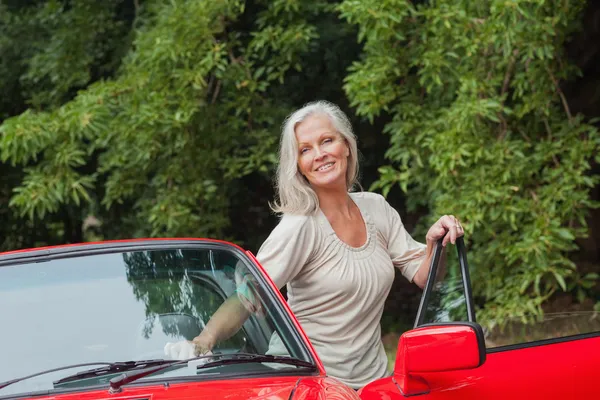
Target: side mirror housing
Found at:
436, 348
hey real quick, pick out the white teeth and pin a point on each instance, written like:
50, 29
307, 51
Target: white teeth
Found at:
325, 166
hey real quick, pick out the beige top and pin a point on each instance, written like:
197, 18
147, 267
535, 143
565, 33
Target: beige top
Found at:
336, 291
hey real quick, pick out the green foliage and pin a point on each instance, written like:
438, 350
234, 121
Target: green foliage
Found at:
480, 128
42, 53
188, 114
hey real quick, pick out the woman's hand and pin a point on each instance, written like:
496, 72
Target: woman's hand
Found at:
447, 227
204, 342
182, 350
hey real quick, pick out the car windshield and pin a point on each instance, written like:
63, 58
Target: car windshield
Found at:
121, 306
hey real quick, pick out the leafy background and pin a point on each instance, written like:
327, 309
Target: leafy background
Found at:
144, 118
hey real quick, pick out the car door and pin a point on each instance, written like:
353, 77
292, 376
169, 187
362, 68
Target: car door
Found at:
529, 366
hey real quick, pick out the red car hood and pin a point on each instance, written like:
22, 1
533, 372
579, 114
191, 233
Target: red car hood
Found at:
305, 388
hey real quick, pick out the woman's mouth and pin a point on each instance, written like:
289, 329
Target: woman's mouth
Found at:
325, 166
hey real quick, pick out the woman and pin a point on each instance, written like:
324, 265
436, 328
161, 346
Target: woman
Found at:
334, 249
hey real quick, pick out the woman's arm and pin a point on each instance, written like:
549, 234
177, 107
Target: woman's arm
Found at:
420, 278
224, 323
284, 253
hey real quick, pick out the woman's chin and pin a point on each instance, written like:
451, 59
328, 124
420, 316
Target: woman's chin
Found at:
332, 183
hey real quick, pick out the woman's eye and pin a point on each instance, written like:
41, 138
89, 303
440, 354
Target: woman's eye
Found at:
328, 140
304, 150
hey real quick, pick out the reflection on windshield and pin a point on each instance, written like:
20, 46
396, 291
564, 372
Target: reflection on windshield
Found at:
117, 307
180, 288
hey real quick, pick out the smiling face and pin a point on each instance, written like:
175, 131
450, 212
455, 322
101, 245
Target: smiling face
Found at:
322, 153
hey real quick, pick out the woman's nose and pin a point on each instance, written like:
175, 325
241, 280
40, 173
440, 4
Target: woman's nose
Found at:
319, 154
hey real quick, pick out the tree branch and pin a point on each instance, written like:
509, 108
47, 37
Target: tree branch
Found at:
136, 10
504, 126
216, 92
556, 163
561, 94
508, 74
524, 136
548, 130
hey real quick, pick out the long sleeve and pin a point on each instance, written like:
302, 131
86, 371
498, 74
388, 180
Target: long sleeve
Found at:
405, 252
288, 248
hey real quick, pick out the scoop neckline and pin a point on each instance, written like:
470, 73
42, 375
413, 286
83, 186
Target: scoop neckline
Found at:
366, 221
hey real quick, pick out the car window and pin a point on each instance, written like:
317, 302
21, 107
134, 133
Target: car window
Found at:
447, 302
444, 298
127, 306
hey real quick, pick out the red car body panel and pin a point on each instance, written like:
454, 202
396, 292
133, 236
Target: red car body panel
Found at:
272, 388
554, 371
420, 348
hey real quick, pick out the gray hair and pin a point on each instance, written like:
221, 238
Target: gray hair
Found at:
295, 195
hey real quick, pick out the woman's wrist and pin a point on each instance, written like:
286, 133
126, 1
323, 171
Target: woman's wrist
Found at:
430, 243
210, 336
205, 341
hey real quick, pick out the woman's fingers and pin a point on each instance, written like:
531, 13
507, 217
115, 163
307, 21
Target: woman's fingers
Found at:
459, 228
447, 227
452, 227
446, 222
202, 344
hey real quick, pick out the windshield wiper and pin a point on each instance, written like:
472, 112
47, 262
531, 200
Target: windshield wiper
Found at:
240, 358
119, 366
235, 358
10, 382
109, 367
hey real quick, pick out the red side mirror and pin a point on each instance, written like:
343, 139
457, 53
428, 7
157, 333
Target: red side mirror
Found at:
437, 348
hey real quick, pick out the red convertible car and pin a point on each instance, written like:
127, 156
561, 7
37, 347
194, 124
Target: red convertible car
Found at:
94, 321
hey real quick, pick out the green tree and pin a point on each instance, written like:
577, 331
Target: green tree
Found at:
49, 50
164, 143
481, 128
